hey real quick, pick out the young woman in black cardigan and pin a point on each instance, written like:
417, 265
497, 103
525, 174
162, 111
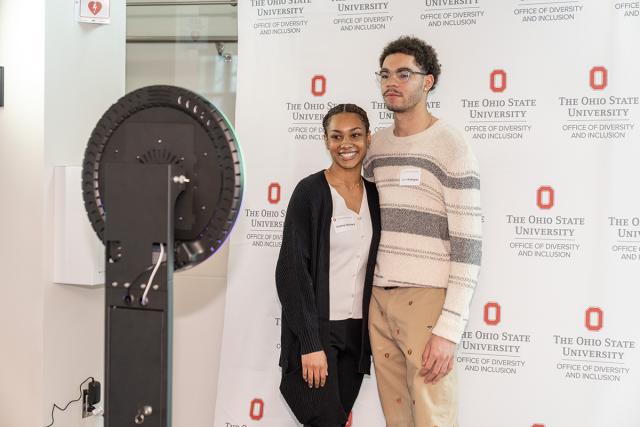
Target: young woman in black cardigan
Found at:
324, 275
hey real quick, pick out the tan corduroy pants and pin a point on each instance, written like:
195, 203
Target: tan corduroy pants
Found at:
400, 323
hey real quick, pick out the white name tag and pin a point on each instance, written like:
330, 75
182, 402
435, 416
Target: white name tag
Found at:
409, 177
343, 224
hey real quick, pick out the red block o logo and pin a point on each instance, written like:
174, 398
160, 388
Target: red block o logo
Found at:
492, 313
598, 77
538, 425
594, 318
349, 420
545, 197
498, 80
318, 85
273, 195
256, 411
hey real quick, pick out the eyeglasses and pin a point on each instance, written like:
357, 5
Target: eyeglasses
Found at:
403, 75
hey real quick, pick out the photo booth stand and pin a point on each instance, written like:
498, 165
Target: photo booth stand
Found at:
162, 186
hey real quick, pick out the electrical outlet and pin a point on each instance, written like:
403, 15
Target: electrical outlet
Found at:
86, 412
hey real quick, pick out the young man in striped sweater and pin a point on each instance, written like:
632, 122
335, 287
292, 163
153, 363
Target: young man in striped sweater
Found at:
430, 248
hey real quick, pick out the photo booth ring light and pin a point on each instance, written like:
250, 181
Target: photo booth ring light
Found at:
171, 125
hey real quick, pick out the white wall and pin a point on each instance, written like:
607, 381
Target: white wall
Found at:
21, 215
60, 77
84, 75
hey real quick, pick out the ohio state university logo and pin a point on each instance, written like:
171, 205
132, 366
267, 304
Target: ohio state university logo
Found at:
274, 193
256, 410
598, 78
498, 81
594, 318
545, 197
492, 313
318, 85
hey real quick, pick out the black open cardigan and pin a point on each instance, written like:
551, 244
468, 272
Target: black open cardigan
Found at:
302, 272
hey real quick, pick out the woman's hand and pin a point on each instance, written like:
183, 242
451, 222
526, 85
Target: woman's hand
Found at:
315, 369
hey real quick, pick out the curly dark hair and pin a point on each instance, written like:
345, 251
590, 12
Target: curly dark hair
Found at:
424, 54
345, 108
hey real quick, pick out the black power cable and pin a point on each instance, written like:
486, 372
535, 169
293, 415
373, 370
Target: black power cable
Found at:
67, 405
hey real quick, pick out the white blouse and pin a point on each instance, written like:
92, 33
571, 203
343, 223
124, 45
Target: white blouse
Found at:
350, 239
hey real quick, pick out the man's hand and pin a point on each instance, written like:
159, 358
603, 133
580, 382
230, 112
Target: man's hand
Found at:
437, 359
315, 369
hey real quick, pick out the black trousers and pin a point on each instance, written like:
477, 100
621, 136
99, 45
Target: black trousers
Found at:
335, 400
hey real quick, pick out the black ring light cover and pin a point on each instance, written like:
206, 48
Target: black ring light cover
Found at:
171, 125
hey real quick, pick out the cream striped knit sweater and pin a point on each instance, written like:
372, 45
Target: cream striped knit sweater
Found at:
431, 231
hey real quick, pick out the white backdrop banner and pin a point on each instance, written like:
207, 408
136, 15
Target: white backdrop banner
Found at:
548, 94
